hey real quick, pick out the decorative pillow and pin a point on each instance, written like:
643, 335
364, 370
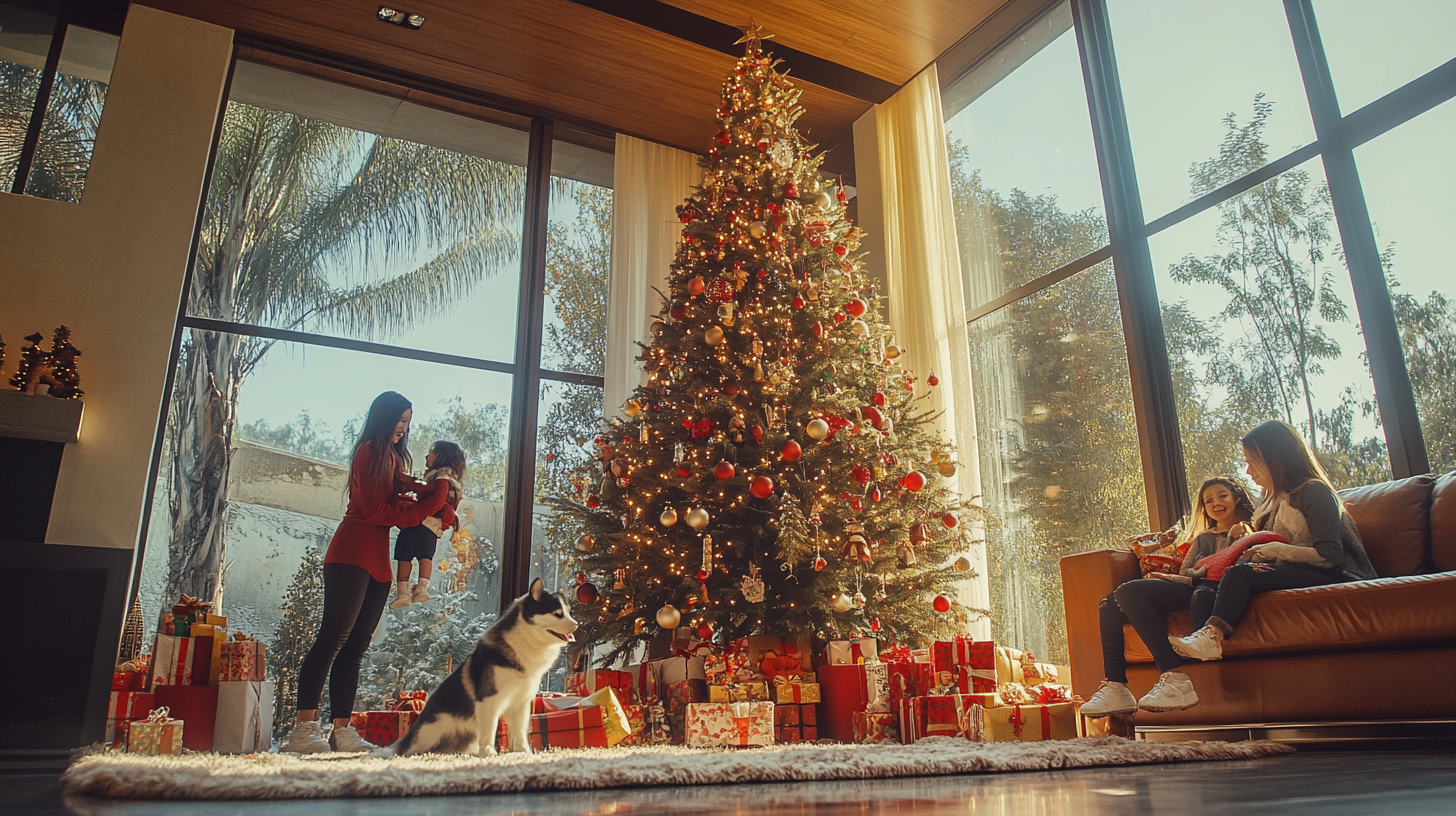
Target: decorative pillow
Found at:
1217, 564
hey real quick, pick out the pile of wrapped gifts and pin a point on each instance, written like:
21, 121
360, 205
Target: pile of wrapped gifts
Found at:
196, 676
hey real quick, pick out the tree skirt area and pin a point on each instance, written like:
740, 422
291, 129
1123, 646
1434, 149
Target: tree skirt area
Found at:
285, 776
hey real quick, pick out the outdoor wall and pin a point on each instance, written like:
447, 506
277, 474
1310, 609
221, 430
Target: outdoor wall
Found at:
112, 267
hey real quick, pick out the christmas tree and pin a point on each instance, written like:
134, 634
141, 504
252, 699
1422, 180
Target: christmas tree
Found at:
773, 474
303, 608
65, 380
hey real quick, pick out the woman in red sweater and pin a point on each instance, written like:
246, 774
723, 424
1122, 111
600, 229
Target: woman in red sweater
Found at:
357, 571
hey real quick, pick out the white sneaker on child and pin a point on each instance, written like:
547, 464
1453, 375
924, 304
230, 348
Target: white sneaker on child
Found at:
306, 738
1110, 698
1205, 644
1173, 692
421, 592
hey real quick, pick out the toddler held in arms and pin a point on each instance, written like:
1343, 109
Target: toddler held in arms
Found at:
444, 461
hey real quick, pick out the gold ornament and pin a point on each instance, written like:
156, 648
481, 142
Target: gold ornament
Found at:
698, 518
668, 617
713, 336
668, 517
817, 429
585, 543
632, 409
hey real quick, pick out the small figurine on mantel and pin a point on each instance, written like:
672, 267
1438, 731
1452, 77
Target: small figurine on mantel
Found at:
33, 367
65, 380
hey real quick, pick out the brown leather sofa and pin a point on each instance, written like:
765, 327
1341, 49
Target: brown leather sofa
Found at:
1376, 650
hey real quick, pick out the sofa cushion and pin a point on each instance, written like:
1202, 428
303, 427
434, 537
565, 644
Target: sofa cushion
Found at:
1394, 522
1386, 613
1443, 522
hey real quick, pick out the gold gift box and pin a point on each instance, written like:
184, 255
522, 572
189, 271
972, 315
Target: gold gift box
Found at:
749, 692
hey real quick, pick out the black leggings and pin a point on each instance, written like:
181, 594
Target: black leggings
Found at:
1244, 580
1143, 603
353, 602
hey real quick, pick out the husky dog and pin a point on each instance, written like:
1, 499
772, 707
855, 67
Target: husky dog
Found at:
498, 680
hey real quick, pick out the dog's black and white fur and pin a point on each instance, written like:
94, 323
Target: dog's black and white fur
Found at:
498, 680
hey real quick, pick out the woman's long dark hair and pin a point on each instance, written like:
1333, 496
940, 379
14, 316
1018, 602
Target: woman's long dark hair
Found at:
449, 455
1287, 456
384, 414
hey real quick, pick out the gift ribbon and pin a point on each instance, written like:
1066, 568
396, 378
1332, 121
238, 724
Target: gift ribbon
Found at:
1017, 720
410, 701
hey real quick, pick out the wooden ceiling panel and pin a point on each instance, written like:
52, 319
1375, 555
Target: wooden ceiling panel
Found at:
890, 39
560, 59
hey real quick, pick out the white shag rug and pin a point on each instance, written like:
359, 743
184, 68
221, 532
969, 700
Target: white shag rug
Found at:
284, 776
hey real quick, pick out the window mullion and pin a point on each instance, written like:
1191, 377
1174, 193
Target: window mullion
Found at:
42, 101
1393, 394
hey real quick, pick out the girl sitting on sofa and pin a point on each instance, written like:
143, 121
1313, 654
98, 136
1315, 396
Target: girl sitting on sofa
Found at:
1298, 503
1224, 510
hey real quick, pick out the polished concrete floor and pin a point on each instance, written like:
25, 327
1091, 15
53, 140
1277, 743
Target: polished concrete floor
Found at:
1318, 784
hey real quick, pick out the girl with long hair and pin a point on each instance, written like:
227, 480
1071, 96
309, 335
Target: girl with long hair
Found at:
1300, 504
1224, 509
357, 572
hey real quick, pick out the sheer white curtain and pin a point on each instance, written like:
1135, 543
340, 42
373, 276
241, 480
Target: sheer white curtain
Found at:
923, 281
649, 181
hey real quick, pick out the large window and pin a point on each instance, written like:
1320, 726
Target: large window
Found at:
1242, 283
1059, 462
351, 244
1406, 175
49, 113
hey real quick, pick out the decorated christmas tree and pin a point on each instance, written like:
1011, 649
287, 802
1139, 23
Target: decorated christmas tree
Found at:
65, 380
775, 473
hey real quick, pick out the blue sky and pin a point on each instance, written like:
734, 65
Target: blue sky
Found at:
1184, 65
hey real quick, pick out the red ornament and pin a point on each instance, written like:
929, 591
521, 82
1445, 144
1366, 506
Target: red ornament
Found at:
798, 302
762, 273
720, 291
949, 520
878, 399
701, 575
932, 380
861, 474
684, 471
550, 457
679, 311
757, 435
588, 594
792, 451
941, 604
913, 481
875, 494
704, 428
820, 564
687, 214
856, 503
791, 190
839, 317
696, 286
874, 624
731, 389
840, 250
873, 416
593, 501
705, 631
724, 471
761, 487
856, 307
818, 329
724, 137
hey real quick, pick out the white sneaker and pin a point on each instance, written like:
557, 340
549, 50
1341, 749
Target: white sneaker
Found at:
347, 740
306, 738
401, 598
1173, 692
420, 594
1205, 644
1110, 698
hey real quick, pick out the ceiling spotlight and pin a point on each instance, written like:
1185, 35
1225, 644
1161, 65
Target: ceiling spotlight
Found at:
387, 14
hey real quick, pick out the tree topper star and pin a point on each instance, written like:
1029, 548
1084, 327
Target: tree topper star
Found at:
752, 34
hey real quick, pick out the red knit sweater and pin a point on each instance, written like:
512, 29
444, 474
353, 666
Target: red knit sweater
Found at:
363, 535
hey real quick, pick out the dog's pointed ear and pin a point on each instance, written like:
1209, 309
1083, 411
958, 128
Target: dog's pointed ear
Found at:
538, 590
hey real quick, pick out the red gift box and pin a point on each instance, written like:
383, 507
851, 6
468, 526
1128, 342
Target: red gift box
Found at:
124, 707
845, 689
909, 679
975, 681
243, 660
789, 714
582, 684
976, 654
383, 727
194, 705
128, 681
939, 716
796, 733
570, 728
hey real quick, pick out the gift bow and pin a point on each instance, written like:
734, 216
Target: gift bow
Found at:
160, 714
410, 701
1050, 694
897, 654
189, 604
